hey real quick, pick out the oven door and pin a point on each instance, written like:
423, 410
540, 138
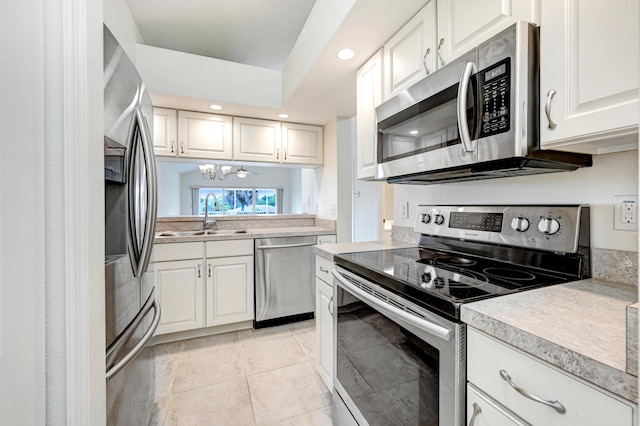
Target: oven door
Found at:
432, 125
396, 363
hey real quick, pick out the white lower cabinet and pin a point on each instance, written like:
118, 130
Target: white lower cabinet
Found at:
203, 284
563, 399
179, 286
324, 319
229, 290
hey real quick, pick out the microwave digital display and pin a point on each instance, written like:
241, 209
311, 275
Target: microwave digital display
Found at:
496, 95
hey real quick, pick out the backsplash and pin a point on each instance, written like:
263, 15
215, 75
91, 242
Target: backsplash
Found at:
616, 266
191, 223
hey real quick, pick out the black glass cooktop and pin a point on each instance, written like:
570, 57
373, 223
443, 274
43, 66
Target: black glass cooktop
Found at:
441, 281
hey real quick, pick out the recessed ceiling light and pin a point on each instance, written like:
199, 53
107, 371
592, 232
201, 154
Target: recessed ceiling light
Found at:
346, 54
283, 115
216, 107
413, 132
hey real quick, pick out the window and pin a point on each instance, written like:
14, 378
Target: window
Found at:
237, 201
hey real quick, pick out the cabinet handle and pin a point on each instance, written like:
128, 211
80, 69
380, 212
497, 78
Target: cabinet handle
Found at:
278, 154
285, 154
209, 271
476, 411
547, 108
442, 62
182, 148
424, 61
329, 306
322, 269
553, 404
199, 271
173, 148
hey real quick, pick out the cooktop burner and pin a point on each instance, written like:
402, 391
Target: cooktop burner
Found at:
437, 278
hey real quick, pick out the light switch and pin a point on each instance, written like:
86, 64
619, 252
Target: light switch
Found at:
625, 212
404, 209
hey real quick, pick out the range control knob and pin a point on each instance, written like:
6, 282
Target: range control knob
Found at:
438, 219
549, 226
426, 218
520, 224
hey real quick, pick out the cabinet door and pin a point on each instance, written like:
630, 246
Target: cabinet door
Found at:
369, 96
409, 55
256, 140
589, 57
324, 331
229, 290
202, 135
302, 144
179, 286
463, 24
165, 132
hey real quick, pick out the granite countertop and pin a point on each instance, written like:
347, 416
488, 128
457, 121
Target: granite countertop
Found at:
329, 250
579, 327
249, 234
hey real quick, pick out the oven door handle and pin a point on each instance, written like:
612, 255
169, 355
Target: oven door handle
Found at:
423, 324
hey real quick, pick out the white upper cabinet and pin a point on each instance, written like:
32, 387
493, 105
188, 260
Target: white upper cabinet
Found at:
410, 55
369, 96
463, 24
256, 140
302, 144
275, 142
189, 134
589, 70
202, 135
165, 131
444, 30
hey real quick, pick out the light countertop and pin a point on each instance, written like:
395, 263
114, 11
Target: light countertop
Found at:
250, 234
329, 250
579, 327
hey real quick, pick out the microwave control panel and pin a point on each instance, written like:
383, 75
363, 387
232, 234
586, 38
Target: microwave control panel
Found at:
495, 89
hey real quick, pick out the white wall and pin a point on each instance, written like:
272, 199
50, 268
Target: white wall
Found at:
327, 176
612, 174
117, 17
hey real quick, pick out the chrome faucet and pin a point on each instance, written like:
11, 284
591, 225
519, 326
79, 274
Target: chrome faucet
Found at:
207, 223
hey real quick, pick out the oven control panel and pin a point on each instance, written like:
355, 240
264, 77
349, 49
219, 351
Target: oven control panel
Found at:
554, 228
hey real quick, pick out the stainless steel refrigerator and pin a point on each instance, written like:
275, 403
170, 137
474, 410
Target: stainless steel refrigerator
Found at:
132, 311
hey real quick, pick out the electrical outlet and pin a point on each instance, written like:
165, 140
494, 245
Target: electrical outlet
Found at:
404, 209
625, 212
332, 209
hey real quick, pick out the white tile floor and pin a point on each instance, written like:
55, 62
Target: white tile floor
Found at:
250, 377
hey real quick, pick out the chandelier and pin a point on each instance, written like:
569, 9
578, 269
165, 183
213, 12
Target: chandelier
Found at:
214, 171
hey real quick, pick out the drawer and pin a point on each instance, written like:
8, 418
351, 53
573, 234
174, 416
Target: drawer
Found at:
323, 269
229, 248
487, 413
585, 404
326, 239
177, 251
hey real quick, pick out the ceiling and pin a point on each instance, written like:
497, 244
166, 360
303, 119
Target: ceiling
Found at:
263, 33
252, 32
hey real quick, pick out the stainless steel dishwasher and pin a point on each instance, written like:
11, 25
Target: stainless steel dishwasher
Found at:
284, 282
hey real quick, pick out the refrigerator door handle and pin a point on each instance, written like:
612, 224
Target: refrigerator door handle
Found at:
142, 194
116, 347
152, 191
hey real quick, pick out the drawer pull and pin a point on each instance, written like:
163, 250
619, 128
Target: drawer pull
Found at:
323, 269
476, 411
553, 404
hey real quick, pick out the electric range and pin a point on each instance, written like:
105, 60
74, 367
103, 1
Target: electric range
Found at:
398, 311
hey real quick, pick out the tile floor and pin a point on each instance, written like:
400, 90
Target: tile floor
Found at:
249, 377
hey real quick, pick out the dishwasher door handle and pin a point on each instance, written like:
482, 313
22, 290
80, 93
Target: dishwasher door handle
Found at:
285, 246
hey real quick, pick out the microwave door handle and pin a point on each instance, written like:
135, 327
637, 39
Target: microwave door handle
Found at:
463, 125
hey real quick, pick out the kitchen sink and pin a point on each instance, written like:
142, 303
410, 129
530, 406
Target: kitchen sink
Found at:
197, 233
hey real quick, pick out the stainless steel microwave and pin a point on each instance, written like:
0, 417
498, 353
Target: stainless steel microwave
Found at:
476, 118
